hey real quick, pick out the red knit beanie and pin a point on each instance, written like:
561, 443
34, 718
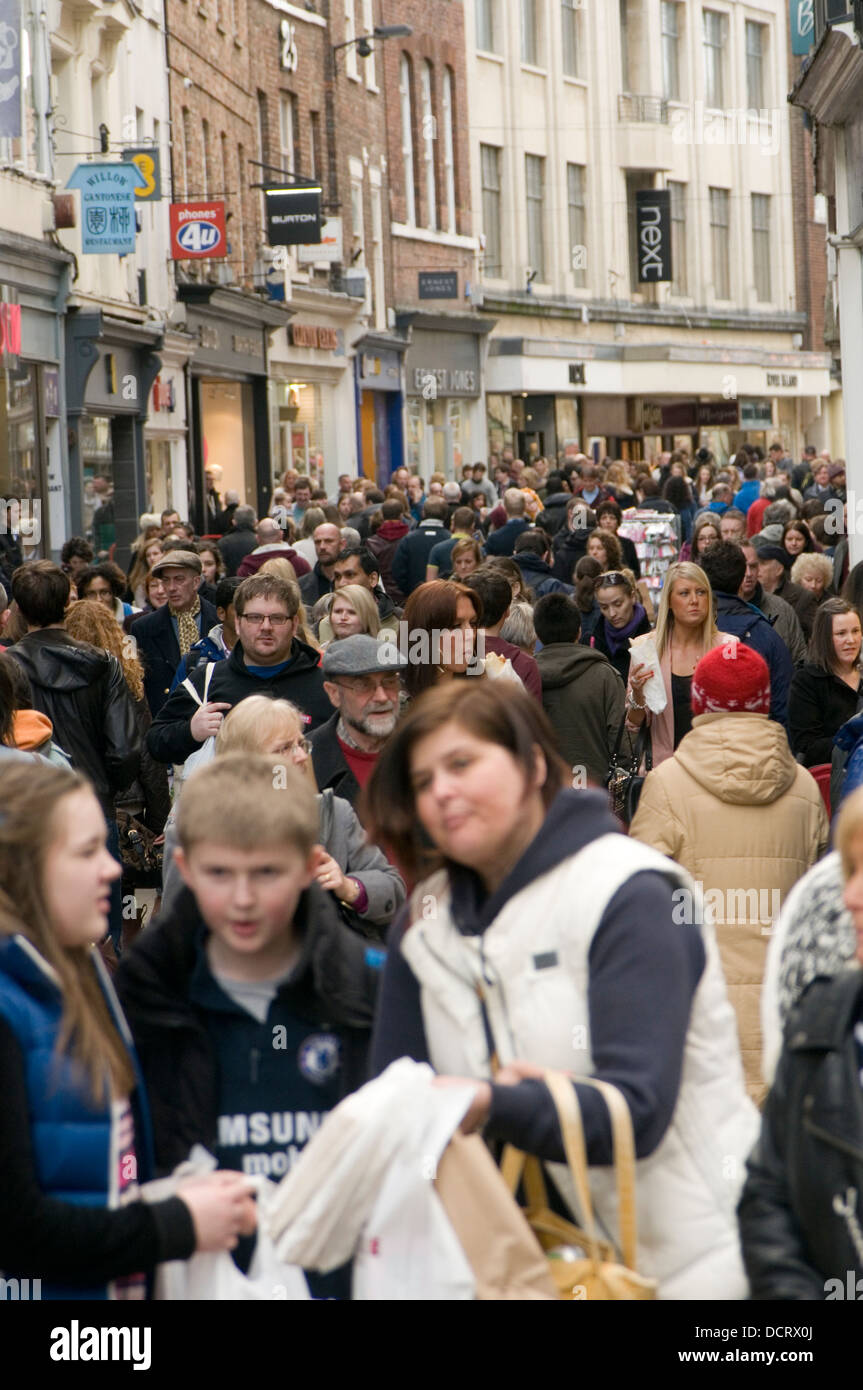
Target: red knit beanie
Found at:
732, 679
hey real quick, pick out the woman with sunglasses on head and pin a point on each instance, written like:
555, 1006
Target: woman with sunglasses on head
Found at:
75, 1137
551, 942
622, 617
355, 871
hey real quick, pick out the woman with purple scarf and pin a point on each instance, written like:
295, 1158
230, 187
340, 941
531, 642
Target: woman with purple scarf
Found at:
622, 617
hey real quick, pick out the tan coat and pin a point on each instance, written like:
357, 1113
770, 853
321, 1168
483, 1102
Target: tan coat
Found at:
734, 808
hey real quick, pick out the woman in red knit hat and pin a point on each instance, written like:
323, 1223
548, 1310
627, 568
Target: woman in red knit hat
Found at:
733, 807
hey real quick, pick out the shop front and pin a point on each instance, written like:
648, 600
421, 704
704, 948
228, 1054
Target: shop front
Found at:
379, 430
32, 456
165, 459
111, 365
311, 390
227, 383
551, 398
446, 424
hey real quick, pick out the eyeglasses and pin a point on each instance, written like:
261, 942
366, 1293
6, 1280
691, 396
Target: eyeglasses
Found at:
367, 685
300, 745
258, 619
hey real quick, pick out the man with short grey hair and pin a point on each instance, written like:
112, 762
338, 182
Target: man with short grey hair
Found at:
240, 541
502, 541
361, 678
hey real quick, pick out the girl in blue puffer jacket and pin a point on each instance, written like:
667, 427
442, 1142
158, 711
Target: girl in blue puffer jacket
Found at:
74, 1130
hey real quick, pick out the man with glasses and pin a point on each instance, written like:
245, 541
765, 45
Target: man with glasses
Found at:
267, 659
361, 678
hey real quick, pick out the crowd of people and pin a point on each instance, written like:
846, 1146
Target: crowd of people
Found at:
431, 771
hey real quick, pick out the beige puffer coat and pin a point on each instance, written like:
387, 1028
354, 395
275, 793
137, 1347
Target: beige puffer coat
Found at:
734, 808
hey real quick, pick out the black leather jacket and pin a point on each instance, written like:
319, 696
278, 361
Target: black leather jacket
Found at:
801, 1211
83, 692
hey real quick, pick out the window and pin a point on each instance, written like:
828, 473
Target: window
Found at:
184, 166
719, 230
368, 26
315, 152
755, 46
241, 220
761, 245
624, 44
408, 141
577, 223
569, 19
486, 31
448, 151
529, 43
534, 169
287, 116
205, 158
679, 282
670, 51
429, 133
489, 156
378, 281
350, 52
715, 37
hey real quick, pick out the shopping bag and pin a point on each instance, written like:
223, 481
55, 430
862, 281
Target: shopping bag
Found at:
505, 1256
214, 1277
408, 1250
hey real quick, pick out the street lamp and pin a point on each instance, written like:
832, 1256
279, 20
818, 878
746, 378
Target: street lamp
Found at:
364, 41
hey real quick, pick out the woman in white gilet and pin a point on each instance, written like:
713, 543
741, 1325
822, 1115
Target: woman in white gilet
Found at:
545, 938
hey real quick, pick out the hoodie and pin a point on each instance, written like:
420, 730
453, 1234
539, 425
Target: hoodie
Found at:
538, 576
583, 696
83, 693
569, 548
383, 546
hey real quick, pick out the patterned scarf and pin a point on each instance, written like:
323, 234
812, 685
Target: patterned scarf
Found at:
187, 628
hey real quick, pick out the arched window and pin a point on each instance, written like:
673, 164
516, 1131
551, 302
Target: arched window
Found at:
407, 140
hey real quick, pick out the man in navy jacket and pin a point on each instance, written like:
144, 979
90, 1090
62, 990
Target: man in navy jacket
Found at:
725, 566
158, 634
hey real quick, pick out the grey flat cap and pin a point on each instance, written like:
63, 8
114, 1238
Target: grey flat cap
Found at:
362, 655
178, 559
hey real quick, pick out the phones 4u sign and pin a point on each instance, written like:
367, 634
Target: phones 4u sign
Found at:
198, 231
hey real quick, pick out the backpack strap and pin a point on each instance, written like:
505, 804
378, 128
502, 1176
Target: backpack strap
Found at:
208, 676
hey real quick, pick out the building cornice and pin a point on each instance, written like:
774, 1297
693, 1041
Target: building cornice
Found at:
830, 86
657, 316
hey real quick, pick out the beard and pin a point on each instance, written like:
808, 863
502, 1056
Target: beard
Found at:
375, 725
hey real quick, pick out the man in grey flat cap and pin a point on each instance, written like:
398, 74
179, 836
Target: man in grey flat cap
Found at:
362, 680
164, 637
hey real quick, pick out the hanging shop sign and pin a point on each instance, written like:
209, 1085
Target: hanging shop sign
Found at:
653, 234
198, 231
293, 216
802, 26
107, 207
147, 161
756, 414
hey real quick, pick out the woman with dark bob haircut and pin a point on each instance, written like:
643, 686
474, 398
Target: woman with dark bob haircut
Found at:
544, 939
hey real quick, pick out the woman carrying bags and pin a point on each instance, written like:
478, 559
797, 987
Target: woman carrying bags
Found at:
69, 1169
543, 939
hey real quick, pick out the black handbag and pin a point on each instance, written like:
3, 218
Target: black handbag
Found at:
624, 778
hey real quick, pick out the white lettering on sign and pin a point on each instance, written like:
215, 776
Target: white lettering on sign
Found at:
445, 380
650, 238
781, 379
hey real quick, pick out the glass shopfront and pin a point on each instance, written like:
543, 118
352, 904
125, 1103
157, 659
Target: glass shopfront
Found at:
22, 474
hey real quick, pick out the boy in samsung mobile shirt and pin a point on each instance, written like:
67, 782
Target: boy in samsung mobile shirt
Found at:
251, 1003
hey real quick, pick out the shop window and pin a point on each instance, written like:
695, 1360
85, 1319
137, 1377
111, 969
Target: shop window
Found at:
21, 475
97, 474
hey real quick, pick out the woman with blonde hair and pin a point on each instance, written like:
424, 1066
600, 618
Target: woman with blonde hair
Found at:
351, 609
356, 872
685, 632
815, 573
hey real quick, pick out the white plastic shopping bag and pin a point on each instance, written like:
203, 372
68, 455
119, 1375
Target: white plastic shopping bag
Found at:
409, 1250
643, 649
215, 1277
207, 750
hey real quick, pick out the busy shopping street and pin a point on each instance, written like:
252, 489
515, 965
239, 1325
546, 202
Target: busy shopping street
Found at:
431, 640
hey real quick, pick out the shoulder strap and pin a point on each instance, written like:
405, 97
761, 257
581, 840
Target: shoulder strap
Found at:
208, 676
624, 1163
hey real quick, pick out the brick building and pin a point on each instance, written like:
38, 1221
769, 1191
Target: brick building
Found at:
433, 249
